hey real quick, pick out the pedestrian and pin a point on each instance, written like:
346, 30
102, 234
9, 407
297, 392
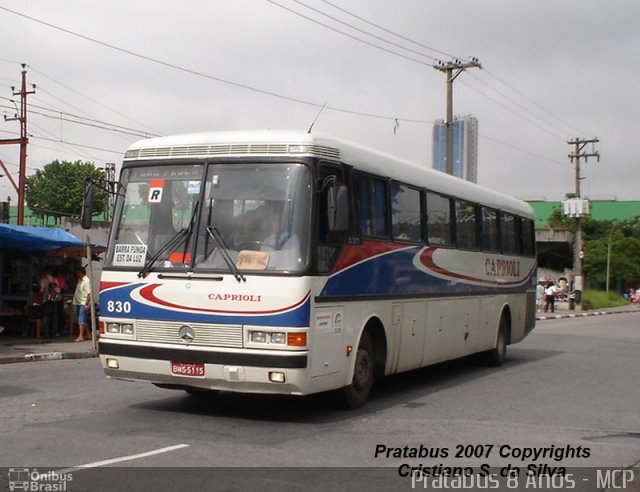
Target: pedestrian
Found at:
46, 284
81, 299
540, 295
58, 300
550, 297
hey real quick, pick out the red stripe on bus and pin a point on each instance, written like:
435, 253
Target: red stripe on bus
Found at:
148, 294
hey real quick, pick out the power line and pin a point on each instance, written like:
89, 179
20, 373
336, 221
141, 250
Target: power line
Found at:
528, 152
517, 104
378, 26
84, 123
363, 31
118, 152
90, 116
532, 101
212, 77
93, 100
350, 35
69, 148
519, 115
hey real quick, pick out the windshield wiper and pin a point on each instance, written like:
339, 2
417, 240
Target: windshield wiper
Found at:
175, 240
224, 250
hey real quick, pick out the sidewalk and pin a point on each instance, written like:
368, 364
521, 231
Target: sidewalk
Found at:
562, 311
15, 348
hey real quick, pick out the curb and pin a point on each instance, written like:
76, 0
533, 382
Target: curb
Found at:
45, 356
581, 315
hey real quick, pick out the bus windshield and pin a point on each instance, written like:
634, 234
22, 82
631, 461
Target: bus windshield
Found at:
261, 212
254, 215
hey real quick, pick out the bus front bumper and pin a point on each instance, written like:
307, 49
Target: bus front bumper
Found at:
249, 371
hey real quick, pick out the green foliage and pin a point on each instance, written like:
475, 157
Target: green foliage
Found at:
621, 242
58, 189
597, 299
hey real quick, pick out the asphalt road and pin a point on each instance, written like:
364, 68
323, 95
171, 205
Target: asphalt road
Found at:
572, 383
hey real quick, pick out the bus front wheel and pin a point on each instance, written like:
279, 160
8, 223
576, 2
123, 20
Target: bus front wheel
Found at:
356, 394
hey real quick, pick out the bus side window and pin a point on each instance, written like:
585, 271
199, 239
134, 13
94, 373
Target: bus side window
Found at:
510, 240
439, 220
371, 197
405, 213
490, 237
329, 242
528, 237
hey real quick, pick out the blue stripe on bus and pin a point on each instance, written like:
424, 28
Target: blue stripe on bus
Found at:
394, 274
298, 317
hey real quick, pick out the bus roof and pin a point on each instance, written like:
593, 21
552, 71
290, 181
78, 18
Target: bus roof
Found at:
292, 143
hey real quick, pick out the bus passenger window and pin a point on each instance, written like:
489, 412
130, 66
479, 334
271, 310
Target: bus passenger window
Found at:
439, 227
509, 235
466, 228
528, 237
490, 233
405, 213
371, 196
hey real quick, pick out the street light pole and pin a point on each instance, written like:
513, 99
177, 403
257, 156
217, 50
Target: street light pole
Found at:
609, 257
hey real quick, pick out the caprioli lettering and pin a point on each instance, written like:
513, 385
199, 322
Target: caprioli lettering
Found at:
235, 297
502, 268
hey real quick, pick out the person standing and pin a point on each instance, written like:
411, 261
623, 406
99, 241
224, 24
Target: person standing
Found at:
540, 295
81, 299
550, 297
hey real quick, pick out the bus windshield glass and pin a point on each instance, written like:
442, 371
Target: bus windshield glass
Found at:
154, 219
221, 217
255, 215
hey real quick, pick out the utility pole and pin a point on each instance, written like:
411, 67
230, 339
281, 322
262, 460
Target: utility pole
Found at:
578, 253
448, 68
22, 141
110, 171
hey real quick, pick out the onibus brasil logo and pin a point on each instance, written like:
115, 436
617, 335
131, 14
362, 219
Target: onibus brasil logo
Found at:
32, 480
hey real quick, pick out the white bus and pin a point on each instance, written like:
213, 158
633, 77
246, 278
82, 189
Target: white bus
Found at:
296, 263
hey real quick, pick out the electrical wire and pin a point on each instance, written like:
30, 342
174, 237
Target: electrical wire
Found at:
113, 110
355, 28
516, 113
377, 26
421, 62
513, 147
212, 77
535, 103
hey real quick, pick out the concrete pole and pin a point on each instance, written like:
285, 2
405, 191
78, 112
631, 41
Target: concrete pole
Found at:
449, 122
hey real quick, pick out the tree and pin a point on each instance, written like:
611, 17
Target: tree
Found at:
622, 240
58, 189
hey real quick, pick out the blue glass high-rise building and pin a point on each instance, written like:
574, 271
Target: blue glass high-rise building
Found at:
465, 147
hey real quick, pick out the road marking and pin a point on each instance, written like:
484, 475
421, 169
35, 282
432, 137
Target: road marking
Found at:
130, 457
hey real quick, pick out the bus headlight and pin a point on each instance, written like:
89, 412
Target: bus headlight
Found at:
126, 328
258, 337
113, 327
279, 337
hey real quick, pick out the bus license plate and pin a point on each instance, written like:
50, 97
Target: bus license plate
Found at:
184, 369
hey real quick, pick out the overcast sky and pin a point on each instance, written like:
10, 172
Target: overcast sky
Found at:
552, 71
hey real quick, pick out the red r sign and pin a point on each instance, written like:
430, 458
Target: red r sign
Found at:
155, 191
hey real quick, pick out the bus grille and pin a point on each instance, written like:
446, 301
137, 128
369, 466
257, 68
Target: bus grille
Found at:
205, 334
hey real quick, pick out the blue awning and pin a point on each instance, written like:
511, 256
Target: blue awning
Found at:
30, 240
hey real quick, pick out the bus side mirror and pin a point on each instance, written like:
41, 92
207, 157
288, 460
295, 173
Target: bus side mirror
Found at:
87, 206
338, 208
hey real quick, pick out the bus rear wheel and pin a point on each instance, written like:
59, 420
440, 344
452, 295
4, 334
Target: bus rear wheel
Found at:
356, 394
496, 356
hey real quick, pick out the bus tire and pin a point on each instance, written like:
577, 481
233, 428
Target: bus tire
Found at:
496, 356
356, 394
